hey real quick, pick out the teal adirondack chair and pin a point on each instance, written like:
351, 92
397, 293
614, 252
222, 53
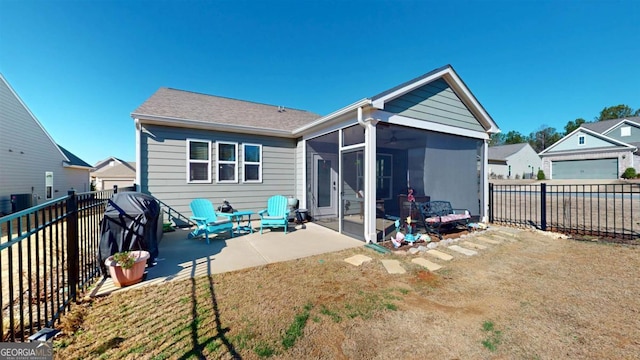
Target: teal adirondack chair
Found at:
276, 214
207, 220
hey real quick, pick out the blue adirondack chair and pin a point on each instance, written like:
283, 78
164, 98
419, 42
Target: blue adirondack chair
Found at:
276, 214
207, 220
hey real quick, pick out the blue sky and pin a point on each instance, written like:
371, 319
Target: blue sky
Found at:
83, 66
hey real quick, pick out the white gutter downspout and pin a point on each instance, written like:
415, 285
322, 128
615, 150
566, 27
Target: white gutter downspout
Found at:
369, 126
138, 155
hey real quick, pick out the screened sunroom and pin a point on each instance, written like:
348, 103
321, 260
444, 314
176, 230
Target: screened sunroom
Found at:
429, 135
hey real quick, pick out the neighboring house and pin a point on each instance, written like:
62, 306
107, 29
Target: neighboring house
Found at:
598, 150
513, 161
350, 169
112, 172
32, 166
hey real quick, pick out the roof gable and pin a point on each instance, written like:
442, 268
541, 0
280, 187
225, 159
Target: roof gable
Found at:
454, 85
605, 126
592, 140
4, 84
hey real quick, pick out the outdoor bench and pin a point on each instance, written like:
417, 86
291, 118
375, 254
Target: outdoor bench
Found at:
438, 215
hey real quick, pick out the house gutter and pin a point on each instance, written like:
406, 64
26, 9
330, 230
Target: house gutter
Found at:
323, 121
191, 124
138, 183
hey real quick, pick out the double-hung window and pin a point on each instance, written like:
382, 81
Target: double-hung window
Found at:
198, 161
252, 156
227, 162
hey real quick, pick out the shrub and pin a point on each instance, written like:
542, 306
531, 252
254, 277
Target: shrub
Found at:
541, 175
629, 173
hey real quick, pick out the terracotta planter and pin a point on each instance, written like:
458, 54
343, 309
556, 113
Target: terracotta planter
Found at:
125, 277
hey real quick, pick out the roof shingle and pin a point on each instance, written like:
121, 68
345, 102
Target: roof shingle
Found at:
186, 105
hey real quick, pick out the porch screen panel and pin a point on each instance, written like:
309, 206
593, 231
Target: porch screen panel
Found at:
451, 170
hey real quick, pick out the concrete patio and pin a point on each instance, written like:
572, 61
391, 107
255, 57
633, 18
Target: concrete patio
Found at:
181, 258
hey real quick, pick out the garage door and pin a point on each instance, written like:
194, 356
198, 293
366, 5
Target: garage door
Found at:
585, 169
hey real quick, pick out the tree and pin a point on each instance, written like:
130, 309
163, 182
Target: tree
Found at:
543, 138
496, 139
572, 125
514, 137
617, 112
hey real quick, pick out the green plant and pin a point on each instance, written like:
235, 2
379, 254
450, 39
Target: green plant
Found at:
494, 337
629, 173
541, 175
124, 259
295, 329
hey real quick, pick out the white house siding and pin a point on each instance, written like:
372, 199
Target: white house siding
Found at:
78, 179
26, 153
524, 161
164, 164
625, 159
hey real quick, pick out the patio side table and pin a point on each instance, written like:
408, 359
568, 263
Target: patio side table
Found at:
239, 216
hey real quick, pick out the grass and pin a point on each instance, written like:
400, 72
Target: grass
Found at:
330, 309
494, 337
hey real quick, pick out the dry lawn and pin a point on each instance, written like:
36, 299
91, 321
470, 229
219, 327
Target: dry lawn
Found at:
533, 298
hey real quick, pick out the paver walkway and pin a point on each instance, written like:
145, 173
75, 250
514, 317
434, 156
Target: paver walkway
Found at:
489, 238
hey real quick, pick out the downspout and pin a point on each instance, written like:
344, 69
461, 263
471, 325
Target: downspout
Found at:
138, 155
369, 170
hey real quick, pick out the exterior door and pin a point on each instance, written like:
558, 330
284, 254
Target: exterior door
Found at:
352, 177
325, 188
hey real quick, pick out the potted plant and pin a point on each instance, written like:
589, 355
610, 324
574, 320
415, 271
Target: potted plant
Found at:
127, 267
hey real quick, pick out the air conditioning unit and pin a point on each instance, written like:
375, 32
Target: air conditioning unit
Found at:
21, 202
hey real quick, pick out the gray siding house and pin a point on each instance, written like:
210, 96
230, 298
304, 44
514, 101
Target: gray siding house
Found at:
513, 161
31, 163
350, 169
598, 150
112, 172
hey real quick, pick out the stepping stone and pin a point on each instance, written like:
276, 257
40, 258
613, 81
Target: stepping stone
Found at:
431, 266
393, 266
474, 246
504, 237
488, 241
440, 255
357, 260
510, 234
462, 250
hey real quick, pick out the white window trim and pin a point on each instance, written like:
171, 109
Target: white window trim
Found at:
584, 140
189, 161
625, 131
48, 184
221, 162
244, 162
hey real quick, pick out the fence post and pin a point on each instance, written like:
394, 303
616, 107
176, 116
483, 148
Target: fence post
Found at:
73, 267
491, 203
543, 207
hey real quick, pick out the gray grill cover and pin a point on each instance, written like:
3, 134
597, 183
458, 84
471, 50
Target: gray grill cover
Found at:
130, 222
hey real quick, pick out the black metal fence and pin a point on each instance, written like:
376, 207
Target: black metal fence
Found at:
47, 258
610, 211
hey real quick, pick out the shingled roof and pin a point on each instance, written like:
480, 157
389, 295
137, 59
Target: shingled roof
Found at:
604, 125
185, 105
501, 152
